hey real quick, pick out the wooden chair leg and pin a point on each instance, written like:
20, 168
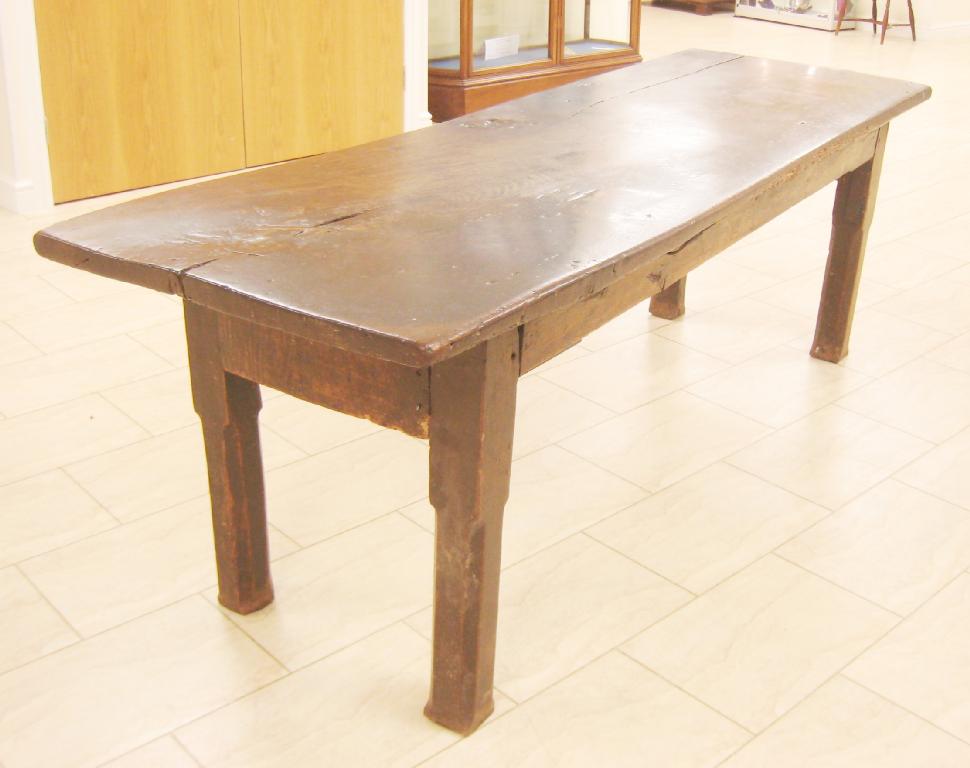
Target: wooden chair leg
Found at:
838, 20
472, 415
855, 199
670, 302
228, 407
885, 23
875, 16
912, 19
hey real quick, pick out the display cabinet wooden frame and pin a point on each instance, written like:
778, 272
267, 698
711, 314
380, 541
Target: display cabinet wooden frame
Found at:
457, 90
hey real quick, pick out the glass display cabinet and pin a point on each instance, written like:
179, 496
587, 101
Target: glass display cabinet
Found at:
482, 52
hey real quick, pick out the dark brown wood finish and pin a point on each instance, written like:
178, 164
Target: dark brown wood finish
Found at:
876, 23
473, 396
228, 407
670, 302
417, 247
700, 7
412, 281
855, 203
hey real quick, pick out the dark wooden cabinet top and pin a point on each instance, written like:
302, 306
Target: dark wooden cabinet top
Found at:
416, 247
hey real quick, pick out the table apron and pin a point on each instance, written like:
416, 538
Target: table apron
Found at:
389, 394
547, 336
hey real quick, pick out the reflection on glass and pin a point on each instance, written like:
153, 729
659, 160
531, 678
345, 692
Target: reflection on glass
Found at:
444, 34
596, 26
509, 32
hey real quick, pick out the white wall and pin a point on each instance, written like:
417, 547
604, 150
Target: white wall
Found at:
25, 184
933, 14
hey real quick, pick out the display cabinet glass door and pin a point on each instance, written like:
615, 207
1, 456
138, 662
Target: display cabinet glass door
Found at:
444, 34
592, 27
509, 32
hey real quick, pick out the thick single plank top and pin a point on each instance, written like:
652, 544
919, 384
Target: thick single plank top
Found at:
417, 247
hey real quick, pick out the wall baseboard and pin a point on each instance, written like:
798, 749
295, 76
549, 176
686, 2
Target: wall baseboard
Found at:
22, 196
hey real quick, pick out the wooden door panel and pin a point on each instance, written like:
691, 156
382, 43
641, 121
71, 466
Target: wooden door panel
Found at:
139, 92
320, 75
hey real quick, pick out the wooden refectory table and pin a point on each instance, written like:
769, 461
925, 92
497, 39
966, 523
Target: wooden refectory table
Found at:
413, 280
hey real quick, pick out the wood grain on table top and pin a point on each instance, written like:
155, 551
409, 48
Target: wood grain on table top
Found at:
414, 248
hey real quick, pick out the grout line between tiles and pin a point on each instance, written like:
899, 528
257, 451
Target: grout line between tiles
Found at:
686, 692
646, 568
841, 587
77, 634
900, 706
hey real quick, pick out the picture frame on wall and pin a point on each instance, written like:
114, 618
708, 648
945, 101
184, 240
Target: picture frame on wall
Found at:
817, 14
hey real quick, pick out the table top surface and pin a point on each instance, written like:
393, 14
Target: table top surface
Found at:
413, 248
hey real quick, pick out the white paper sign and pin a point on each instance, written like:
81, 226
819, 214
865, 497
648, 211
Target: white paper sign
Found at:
500, 47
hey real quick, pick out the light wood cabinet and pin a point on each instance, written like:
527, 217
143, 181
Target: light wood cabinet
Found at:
142, 92
139, 92
319, 76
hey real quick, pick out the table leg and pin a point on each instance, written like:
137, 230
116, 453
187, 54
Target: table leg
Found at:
669, 303
228, 407
472, 415
855, 200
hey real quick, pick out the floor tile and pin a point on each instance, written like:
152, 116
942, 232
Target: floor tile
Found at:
944, 471
325, 494
167, 340
760, 642
924, 398
566, 606
43, 440
924, 664
14, 347
778, 386
842, 725
546, 413
336, 592
955, 353
86, 321
163, 753
784, 255
62, 376
44, 512
705, 528
554, 494
81, 285
39, 630
611, 713
802, 294
830, 456
939, 304
881, 342
310, 427
160, 472
128, 571
719, 281
893, 545
950, 237
26, 295
738, 331
665, 441
634, 372
360, 707
160, 403
905, 263
123, 688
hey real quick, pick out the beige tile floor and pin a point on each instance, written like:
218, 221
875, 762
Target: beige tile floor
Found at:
795, 594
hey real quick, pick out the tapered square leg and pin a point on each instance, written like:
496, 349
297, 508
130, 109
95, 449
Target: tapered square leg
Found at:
855, 200
472, 415
228, 407
670, 302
